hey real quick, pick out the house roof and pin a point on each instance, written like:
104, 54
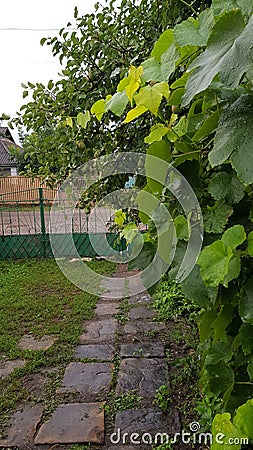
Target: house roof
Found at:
5, 132
6, 160
6, 142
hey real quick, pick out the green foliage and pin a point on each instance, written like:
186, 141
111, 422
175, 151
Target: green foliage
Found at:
219, 262
229, 37
71, 112
162, 397
170, 301
205, 63
230, 135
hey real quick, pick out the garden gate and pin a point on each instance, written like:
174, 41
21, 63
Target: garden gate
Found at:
25, 225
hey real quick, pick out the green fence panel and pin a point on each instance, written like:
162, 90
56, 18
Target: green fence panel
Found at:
25, 223
39, 246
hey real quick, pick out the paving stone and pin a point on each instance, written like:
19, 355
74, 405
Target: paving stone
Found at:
105, 309
99, 331
108, 300
104, 352
148, 421
7, 366
22, 427
140, 298
138, 327
143, 375
34, 383
73, 423
141, 312
138, 350
91, 379
29, 342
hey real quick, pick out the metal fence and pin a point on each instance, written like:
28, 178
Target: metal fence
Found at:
25, 227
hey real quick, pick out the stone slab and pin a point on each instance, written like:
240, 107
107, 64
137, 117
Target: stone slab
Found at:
74, 423
29, 342
106, 309
22, 427
99, 331
149, 421
91, 379
138, 327
7, 366
142, 298
104, 352
141, 312
142, 350
142, 375
34, 383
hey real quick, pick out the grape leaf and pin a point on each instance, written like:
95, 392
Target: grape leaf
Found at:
250, 243
156, 133
205, 323
151, 96
250, 370
144, 258
228, 52
224, 430
246, 302
117, 104
246, 335
224, 186
221, 351
163, 43
196, 291
221, 322
154, 168
194, 32
176, 97
243, 418
134, 113
220, 378
152, 70
214, 263
234, 269
182, 229
209, 125
156, 71
224, 6
216, 218
169, 60
233, 138
234, 236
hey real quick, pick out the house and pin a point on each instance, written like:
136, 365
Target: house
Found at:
8, 163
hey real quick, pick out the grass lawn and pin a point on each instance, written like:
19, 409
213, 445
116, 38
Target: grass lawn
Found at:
36, 298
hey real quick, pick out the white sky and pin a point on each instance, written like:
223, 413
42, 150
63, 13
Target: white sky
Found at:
22, 57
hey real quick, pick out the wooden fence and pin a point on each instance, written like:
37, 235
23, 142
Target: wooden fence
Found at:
24, 189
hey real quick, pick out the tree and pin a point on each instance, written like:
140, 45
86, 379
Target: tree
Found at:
94, 59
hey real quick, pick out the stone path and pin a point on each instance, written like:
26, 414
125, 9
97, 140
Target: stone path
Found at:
121, 352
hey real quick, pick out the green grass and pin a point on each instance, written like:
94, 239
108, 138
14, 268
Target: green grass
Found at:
37, 299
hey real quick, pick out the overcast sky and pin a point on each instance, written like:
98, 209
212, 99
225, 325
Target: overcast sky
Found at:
22, 57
